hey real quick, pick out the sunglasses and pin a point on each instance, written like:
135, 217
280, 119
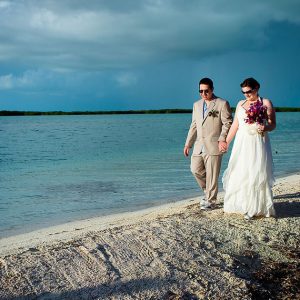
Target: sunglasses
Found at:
204, 91
248, 92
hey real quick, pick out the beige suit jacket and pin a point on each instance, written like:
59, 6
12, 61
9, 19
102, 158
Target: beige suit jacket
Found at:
211, 129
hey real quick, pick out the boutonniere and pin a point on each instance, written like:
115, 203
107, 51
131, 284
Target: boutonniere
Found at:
213, 113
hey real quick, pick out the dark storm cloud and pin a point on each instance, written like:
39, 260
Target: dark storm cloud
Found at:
100, 54
96, 35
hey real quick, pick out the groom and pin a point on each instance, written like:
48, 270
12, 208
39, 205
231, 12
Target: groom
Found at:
210, 125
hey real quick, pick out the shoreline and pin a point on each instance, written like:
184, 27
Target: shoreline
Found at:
75, 229
173, 251
63, 232
165, 202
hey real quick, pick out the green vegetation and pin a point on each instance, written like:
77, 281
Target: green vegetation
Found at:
152, 111
289, 109
49, 113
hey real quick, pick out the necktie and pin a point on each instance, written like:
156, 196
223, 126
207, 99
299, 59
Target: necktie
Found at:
204, 109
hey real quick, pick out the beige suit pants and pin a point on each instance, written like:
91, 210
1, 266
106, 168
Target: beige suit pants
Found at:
206, 170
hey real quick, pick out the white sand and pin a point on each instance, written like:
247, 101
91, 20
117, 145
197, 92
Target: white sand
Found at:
173, 250
71, 230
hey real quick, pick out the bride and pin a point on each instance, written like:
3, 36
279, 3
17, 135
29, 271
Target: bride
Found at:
248, 179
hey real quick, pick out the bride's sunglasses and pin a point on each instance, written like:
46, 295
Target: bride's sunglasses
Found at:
248, 92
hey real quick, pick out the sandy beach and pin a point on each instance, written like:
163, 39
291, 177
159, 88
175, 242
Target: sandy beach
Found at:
174, 251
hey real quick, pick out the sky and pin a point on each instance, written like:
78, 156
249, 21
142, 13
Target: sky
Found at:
75, 55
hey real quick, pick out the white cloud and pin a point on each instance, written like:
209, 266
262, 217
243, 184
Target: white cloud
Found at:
29, 78
6, 82
126, 79
4, 4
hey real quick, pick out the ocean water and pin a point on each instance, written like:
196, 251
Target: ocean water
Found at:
56, 169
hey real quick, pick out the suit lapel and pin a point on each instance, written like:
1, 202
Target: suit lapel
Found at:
201, 103
209, 109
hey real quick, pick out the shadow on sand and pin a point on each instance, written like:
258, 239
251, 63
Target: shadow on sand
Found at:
286, 209
115, 290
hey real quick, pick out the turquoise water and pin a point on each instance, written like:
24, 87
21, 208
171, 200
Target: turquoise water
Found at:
56, 169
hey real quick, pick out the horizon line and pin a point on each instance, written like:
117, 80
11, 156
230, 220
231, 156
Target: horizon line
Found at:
139, 111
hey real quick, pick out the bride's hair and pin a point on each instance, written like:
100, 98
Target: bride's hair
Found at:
251, 82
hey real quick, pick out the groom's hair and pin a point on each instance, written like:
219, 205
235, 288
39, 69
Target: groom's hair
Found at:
207, 81
250, 82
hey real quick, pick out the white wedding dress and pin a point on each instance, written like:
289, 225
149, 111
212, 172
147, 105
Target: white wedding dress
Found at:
248, 179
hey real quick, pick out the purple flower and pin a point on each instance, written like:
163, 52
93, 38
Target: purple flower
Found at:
256, 113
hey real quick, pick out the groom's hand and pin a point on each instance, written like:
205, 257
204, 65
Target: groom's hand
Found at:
223, 146
186, 151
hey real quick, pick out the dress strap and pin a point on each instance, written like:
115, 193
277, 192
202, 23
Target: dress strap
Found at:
242, 105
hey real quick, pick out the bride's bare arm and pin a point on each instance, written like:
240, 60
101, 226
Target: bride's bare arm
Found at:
271, 122
234, 127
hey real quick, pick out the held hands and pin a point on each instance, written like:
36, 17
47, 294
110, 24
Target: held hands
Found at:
223, 147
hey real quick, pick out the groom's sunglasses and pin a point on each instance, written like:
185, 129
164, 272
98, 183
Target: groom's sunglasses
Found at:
204, 91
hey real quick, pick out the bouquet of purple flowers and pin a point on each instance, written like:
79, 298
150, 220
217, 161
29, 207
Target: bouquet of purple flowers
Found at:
256, 113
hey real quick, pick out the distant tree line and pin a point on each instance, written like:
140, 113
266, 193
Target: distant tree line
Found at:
117, 112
